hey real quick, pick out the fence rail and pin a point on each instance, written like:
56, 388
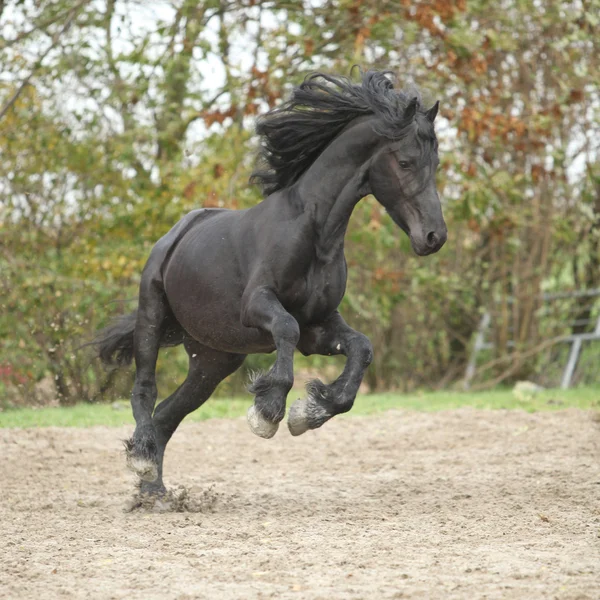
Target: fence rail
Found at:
574, 339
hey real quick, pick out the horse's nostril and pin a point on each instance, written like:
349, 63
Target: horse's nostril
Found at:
431, 239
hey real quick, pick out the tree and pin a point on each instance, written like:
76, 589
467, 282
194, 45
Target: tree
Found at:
117, 117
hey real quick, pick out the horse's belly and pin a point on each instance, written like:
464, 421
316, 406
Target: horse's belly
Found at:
219, 332
212, 317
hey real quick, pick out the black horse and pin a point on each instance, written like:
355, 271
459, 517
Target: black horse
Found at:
227, 283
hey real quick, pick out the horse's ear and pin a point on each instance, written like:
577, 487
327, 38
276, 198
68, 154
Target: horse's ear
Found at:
433, 111
411, 109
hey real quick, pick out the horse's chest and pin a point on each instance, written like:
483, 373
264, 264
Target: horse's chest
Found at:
325, 287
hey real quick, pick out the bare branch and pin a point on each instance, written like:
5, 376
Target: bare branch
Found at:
42, 25
36, 66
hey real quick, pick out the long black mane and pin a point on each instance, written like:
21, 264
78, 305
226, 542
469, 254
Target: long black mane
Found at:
296, 133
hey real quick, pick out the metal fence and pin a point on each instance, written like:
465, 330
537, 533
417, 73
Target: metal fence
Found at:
563, 324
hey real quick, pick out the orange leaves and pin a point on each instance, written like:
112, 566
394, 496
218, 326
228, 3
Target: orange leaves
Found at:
375, 221
391, 277
516, 125
479, 64
537, 172
188, 190
212, 200
251, 108
359, 41
476, 123
452, 58
272, 96
258, 75
354, 11
500, 226
364, 32
575, 96
425, 13
424, 16
473, 225
444, 9
383, 274
218, 170
309, 47
472, 123
217, 116
261, 87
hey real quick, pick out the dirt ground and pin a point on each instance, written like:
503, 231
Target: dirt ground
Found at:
462, 504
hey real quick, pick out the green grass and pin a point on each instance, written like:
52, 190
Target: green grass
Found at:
86, 415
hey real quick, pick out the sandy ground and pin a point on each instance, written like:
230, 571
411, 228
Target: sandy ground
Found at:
460, 504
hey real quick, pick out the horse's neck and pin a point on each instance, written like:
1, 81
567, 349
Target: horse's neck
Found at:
335, 183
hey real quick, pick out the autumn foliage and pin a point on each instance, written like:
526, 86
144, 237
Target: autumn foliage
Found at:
117, 119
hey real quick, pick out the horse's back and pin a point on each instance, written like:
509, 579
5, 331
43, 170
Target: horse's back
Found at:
165, 246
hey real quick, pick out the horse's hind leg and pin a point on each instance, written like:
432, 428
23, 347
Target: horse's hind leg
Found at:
333, 336
153, 308
207, 368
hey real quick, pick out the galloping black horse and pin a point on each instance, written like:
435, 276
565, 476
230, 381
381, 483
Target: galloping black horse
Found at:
227, 283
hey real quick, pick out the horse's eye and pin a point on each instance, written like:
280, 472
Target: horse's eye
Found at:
404, 164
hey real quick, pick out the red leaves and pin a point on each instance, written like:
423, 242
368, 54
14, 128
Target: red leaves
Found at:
9, 374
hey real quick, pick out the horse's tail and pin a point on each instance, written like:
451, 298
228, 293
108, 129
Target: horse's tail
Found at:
115, 343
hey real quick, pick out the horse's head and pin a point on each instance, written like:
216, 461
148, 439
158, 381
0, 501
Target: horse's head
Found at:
402, 179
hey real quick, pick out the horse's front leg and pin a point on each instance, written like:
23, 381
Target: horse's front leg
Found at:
262, 309
322, 402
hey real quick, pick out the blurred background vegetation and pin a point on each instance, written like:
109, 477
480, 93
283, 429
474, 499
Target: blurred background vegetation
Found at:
119, 116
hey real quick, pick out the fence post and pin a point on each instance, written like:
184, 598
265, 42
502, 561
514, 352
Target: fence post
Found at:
477, 346
570, 369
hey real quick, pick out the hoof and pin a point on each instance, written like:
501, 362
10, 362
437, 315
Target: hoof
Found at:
259, 425
145, 469
297, 417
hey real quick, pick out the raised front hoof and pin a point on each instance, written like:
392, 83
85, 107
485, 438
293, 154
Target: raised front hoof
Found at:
144, 468
311, 412
259, 425
298, 417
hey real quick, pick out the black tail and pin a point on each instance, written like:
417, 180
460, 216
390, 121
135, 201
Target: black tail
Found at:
115, 342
